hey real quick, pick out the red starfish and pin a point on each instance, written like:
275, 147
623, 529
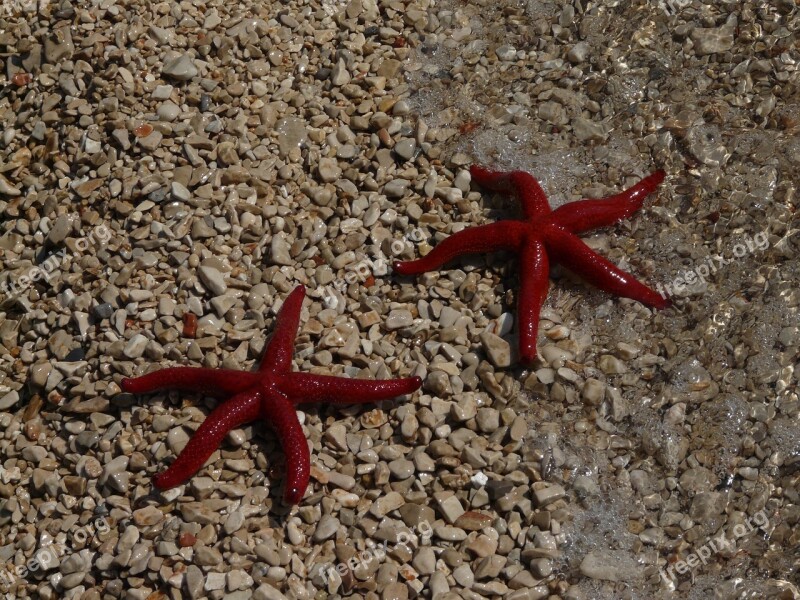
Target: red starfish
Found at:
542, 236
270, 393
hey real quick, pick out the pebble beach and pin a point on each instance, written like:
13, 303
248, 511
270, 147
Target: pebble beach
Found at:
170, 172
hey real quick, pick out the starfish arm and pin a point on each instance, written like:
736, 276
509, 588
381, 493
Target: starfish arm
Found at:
280, 414
583, 215
278, 355
570, 251
534, 282
520, 184
305, 387
503, 235
238, 410
214, 382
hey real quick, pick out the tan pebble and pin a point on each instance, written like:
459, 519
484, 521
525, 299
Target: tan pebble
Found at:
147, 516
473, 521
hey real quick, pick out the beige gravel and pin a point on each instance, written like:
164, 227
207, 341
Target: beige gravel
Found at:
169, 172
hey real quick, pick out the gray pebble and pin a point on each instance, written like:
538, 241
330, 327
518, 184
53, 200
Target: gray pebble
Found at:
406, 148
168, 111
497, 349
401, 468
326, 528
396, 188
181, 68
398, 319
212, 279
